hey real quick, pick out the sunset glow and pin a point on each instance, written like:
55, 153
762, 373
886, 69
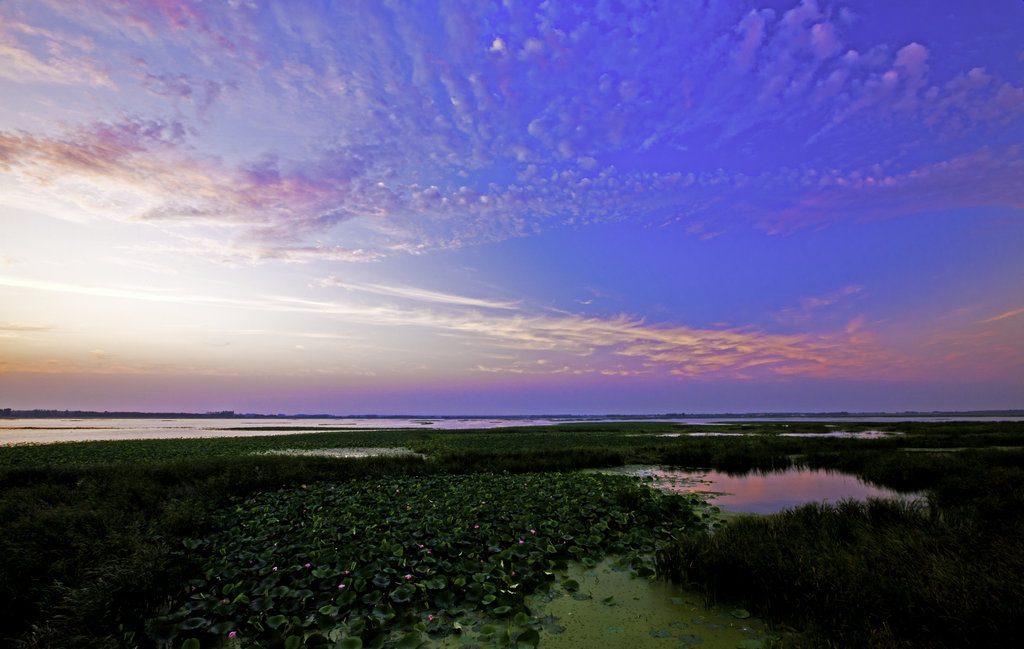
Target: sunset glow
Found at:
511, 207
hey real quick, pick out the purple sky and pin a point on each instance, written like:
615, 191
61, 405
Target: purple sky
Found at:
511, 207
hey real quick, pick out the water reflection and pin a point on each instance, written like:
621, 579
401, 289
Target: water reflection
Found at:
764, 493
842, 434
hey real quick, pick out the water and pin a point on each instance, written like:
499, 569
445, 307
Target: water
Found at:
614, 609
20, 431
841, 434
763, 493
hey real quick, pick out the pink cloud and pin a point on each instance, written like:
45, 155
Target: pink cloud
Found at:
971, 98
824, 41
752, 31
911, 60
151, 157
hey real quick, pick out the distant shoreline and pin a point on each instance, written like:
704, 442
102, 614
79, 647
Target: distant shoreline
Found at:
11, 413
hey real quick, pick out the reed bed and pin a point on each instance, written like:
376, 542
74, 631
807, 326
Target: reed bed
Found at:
945, 572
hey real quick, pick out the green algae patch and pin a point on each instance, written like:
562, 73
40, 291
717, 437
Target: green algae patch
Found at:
645, 614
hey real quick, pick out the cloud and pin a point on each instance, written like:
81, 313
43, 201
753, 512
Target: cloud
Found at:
811, 305
416, 294
982, 177
361, 133
67, 61
169, 185
824, 41
752, 31
1002, 316
583, 343
16, 327
911, 61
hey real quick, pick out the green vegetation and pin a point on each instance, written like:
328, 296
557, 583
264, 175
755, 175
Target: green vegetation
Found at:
943, 573
398, 557
98, 538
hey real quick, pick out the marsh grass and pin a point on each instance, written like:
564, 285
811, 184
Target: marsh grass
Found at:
880, 573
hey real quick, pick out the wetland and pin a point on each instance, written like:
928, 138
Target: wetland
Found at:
500, 538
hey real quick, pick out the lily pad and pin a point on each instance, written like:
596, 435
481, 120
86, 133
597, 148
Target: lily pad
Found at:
274, 621
489, 629
402, 594
689, 638
194, 623
661, 633
614, 630
528, 639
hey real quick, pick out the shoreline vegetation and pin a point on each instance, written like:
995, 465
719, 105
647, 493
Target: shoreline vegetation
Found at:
127, 543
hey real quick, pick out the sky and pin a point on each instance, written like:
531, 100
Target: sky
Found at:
518, 207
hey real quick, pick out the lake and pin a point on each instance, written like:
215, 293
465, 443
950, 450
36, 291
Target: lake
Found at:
40, 431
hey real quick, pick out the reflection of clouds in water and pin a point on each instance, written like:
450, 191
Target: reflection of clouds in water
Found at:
765, 493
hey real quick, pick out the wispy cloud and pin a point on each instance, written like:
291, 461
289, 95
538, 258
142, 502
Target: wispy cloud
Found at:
810, 305
680, 350
416, 294
18, 327
34, 55
984, 177
1002, 316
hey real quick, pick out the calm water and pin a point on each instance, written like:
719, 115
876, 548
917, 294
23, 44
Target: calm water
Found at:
20, 431
763, 493
15, 431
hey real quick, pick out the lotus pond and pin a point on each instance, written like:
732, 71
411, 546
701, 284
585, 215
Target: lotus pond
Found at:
396, 561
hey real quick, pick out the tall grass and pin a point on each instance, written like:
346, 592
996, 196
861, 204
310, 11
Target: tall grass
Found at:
948, 572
